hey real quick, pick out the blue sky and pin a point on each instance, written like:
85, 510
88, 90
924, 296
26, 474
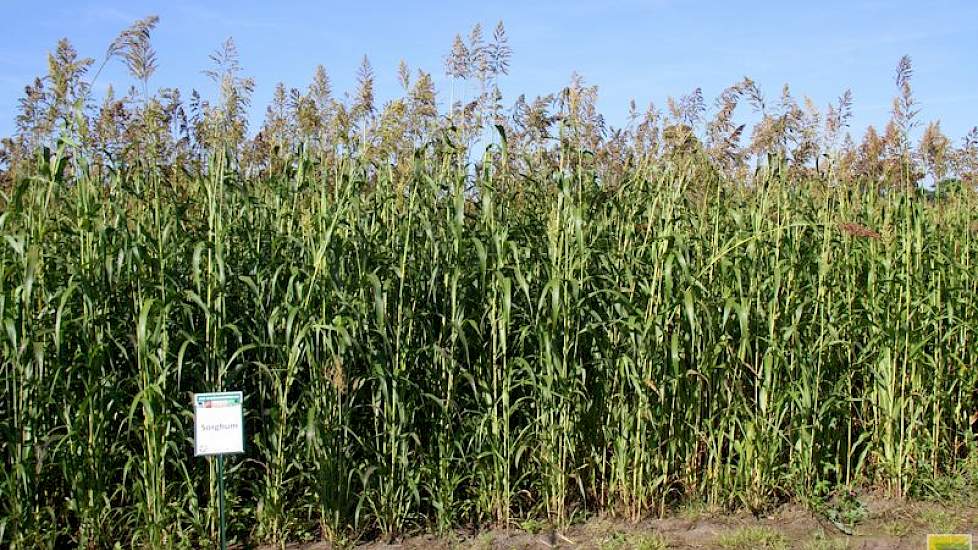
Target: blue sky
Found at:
646, 50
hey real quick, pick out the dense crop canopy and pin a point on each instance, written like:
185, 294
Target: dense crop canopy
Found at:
424, 342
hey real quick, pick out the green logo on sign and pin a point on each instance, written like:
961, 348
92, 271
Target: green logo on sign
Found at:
948, 542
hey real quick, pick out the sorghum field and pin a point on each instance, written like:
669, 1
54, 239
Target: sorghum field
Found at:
471, 317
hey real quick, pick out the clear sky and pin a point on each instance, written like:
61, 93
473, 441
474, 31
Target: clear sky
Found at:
646, 50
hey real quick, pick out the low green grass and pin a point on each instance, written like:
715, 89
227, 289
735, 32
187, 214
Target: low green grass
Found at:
939, 520
753, 538
821, 541
634, 541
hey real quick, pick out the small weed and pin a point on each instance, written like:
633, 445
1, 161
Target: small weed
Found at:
533, 526
956, 487
821, 541
939, 521
693, 510
844, 511
753, 538
896, 527
636, 541
484, 541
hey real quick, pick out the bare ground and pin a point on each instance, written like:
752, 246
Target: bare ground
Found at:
887, 524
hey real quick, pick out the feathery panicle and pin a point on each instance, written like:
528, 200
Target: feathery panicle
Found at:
456, 63
133, 44
364, 100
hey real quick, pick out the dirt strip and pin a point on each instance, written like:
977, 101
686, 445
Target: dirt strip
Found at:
884, 524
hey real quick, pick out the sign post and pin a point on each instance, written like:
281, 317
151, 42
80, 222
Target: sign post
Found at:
219, 430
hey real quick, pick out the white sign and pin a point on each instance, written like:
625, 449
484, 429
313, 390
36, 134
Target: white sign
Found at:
218, 423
